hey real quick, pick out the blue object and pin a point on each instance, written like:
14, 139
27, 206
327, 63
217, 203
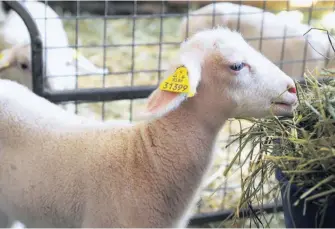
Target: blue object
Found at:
294, 217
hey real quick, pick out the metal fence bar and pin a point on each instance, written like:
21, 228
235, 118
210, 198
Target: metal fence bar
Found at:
220, 216
166, 15
77, 43
103, 108
163, 43
36, 45
99, 94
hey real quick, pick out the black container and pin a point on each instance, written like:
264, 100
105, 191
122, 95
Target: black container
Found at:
294, 215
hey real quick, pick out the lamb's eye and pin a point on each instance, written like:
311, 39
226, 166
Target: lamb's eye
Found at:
23, 66
237, 66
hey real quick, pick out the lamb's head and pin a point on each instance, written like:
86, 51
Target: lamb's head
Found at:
227, 77
15, 65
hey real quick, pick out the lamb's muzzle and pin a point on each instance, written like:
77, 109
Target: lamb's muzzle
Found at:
285, 104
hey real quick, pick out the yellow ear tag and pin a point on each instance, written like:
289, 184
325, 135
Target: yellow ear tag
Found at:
1, 56
178, 82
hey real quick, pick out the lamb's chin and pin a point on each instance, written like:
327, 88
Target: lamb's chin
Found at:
282, 109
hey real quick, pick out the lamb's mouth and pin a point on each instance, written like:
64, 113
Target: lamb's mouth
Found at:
282, 104
282, 108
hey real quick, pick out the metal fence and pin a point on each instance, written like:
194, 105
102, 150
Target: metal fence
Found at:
131, 92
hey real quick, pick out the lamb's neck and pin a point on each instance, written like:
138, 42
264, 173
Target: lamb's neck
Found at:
180, 148
185, 135
185, 130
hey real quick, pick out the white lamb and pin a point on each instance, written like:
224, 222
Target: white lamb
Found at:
60, 59
271, 32
15, 65
60, 173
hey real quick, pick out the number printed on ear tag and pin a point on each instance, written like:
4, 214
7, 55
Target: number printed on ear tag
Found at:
177, 82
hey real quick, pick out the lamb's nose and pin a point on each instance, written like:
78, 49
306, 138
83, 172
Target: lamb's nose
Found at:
292, 89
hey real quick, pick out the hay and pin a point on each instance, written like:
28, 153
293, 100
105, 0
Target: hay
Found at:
302, 147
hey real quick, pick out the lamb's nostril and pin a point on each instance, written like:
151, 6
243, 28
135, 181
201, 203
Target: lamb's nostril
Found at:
292, 90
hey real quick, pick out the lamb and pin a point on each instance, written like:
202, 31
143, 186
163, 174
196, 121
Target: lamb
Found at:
63, 70
15, 64
148, 174
250, 19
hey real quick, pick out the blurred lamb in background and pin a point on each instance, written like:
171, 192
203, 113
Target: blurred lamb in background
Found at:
60, 59
267, 37
15, 64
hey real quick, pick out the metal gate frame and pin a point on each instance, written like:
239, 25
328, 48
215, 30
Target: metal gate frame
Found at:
109, 94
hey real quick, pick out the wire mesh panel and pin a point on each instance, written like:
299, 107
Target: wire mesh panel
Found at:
112, 62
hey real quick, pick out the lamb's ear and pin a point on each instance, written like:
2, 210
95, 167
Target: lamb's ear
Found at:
179, 84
